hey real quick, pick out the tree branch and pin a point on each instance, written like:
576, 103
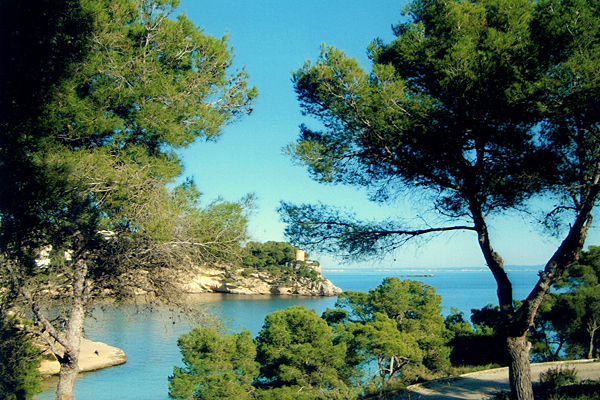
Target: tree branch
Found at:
42, 320
567, 253
493, 259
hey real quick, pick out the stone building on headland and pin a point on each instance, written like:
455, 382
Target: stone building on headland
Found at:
301, 262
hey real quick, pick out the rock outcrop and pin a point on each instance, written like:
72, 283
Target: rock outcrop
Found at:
94, 356
221, 281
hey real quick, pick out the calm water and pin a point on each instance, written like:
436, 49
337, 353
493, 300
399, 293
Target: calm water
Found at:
149, 339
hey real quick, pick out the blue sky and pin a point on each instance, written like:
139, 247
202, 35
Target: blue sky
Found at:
271, 38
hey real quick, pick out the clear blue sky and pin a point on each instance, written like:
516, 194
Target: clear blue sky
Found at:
271, 38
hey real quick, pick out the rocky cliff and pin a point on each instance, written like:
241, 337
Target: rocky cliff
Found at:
241, 282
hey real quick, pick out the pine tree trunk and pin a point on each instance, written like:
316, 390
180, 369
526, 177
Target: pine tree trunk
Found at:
519, 370
69, 363
66, 381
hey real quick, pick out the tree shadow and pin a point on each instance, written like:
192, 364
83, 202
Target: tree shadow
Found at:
463, 387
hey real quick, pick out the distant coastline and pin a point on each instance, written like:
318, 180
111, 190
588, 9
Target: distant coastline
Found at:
410, 271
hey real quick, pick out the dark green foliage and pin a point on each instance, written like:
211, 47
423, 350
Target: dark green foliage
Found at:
397, 325
295, 349
586, 271
569, 319
41, 42
303, 393
499, 395
261, 256
489, 316
557, 377
473, 109
477, 344
445, 109
19, 362
89, 130
96, 98
278, 259
417, 310
292, 358
584, 391
217, 366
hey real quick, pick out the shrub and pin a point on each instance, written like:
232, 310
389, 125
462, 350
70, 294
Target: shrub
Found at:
557, 377
583, 391
499, 395
19, 362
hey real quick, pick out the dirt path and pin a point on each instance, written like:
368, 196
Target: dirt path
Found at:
479, 385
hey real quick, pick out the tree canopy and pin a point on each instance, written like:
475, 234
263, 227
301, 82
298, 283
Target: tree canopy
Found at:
279, 260
398, 325
264, 255
99, 95
293, 357
295, 350
366, 342
569, 318
474, 107
96, 155
217, 366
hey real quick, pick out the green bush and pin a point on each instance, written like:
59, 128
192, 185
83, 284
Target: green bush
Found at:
557, 377
19, 362
583, 391
217, 366
499, 395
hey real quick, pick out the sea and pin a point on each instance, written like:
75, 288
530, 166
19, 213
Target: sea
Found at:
149, 337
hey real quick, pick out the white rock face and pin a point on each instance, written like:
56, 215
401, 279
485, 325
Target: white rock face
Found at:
208, 280
94, 356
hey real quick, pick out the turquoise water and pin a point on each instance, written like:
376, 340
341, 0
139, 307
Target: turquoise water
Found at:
149, 338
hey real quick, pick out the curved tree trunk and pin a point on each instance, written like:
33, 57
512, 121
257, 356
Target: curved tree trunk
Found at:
519, 369
69, 363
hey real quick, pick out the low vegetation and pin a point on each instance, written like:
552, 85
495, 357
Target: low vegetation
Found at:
293, 357
555, 378
586, 391
563, 384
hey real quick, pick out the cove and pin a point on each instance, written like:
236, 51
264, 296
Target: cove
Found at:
149, 338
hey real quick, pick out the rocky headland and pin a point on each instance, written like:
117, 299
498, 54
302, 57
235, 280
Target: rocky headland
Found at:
222, 281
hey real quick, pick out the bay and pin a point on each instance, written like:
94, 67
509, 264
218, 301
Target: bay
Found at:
150, 338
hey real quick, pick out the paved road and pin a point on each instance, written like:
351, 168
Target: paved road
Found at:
479, 385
